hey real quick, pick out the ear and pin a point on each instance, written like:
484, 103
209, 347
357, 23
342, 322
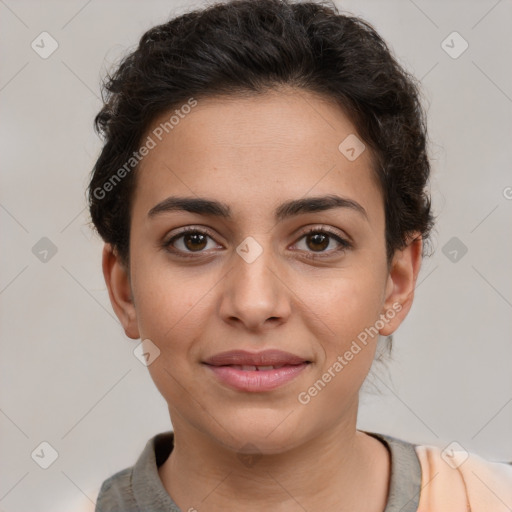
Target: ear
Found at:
401, 283
117, 279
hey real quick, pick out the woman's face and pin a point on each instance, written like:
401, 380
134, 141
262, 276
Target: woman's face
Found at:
250, 277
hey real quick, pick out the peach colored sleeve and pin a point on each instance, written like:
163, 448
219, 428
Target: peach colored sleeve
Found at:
463, 483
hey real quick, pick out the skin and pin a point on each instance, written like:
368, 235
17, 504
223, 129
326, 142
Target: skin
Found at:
254, 153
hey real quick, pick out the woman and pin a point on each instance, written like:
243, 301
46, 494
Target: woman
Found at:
262, 198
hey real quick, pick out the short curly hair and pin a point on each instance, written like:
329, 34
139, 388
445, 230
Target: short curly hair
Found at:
254, 46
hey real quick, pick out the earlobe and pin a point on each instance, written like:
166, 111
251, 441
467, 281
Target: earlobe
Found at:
401, 283
117, 280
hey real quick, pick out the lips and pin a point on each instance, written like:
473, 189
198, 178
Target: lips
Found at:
248, 367
256, 372
265, 360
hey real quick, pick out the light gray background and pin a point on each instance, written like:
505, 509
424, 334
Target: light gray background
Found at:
68, 374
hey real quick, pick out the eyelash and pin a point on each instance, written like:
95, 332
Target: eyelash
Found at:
344, 244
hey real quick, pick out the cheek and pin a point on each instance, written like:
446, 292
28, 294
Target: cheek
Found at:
350, 307
172, 311
169, 304
346, 303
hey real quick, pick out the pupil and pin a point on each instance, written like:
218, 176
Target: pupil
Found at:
195, 238
319, 239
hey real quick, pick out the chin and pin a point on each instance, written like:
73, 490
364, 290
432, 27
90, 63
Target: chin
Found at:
262, 432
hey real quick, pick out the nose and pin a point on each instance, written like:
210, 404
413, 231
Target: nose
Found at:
254, 295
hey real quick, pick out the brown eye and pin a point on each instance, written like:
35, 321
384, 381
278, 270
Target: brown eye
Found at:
317, 241
195, 241
189, 242
321, 242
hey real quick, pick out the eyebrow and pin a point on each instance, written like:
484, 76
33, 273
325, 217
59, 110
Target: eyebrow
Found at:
203, 206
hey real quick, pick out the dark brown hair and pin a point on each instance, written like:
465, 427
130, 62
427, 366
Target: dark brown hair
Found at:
253, 46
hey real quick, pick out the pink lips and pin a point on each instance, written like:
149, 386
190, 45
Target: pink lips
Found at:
255, 372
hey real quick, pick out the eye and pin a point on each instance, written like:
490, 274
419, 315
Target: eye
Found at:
318, 242
190, 240
322, 241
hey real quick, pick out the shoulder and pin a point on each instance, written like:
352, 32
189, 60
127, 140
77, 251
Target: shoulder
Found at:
117, 491
139, 487
429, 479
459, 480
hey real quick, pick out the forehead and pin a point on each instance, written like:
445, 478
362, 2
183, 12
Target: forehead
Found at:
255, 150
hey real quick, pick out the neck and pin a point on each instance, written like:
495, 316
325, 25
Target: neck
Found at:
341, 469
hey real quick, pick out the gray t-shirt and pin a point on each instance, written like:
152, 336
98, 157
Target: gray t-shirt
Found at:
139, 488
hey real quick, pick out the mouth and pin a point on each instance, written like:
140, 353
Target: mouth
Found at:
252, 368
256, 372
263, 360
